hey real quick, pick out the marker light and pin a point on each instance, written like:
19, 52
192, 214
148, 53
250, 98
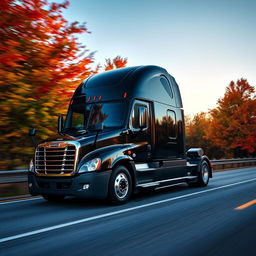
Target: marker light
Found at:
125, 95
100, 97
94, 98
89, 98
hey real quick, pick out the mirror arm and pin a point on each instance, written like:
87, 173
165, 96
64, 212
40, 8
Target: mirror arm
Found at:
99, 128
32, 134
60, 125
34, 142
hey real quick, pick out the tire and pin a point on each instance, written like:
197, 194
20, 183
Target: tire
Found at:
53, 198
203, 175
120, 185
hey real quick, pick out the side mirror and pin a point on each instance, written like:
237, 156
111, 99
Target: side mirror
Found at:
142, 116
32, 134
98, 127
60, 125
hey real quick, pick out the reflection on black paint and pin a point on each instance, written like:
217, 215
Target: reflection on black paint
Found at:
166, 130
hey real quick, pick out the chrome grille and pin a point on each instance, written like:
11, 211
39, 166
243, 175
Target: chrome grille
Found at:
55, 160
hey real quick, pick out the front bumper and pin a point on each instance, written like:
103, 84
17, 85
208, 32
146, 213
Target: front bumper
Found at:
71, 186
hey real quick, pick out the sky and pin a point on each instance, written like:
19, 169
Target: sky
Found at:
203, 44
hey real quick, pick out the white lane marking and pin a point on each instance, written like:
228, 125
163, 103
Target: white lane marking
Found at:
42, 230
22, 200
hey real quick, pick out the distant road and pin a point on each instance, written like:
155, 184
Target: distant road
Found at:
216, 220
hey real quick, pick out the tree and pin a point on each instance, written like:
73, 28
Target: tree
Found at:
117, 62
41, 63
196, 130
233, 122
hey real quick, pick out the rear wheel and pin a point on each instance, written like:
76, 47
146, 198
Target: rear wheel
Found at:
53, 198
203, 175
120, 185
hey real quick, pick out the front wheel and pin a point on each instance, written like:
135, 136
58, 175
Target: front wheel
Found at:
120, 185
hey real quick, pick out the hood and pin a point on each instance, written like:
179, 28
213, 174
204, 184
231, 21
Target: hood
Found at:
86, 141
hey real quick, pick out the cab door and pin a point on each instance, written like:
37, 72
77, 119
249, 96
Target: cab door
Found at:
140, 127
140, 138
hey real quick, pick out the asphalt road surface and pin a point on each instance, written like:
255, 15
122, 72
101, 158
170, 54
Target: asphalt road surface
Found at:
217, 220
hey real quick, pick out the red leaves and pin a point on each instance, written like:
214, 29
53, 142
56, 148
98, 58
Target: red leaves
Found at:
230, 129
10, 55
120, 62
41, 64
109, 65
117, 62
57, 7
36, 36
4, 4
233, 122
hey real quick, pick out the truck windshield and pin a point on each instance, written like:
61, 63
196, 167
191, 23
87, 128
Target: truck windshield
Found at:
84, 117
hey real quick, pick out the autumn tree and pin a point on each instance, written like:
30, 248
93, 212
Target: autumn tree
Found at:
41, 63
196, 135
233, 122
117, 62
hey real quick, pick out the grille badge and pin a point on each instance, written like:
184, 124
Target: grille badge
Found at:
54, 145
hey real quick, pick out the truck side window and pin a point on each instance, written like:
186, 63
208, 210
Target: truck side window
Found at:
139, 116
171, 124
166, 86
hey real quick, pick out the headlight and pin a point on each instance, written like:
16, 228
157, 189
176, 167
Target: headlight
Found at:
91, 166
31, 166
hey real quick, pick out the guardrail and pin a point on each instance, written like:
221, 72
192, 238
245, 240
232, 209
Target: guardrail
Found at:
17, 176
232, 163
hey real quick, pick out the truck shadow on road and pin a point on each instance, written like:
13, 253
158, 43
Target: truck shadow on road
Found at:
141, 197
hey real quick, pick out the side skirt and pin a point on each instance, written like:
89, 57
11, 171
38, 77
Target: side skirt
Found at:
166, 183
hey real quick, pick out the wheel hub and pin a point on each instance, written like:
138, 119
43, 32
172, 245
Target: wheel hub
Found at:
205, 173
121, 185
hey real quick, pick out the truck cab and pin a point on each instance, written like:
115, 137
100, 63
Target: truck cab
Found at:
124, 132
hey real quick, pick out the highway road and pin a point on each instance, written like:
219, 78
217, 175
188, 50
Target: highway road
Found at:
217, 220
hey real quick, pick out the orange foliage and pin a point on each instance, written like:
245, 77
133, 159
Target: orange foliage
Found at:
233, 122
117, 62
196, 135
41, 63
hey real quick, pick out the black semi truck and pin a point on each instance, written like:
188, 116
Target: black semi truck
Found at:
123, 133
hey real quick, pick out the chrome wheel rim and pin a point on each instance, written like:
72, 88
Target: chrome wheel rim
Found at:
205, 173
121, 185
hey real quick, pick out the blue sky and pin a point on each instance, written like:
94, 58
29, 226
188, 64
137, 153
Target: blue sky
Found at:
203, 44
